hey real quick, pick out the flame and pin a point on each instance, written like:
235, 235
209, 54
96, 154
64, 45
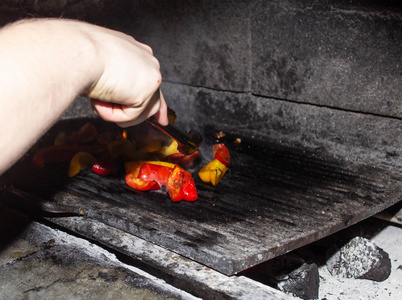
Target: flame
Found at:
124, 134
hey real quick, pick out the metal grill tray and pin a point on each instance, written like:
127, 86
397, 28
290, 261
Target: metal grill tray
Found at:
272, 200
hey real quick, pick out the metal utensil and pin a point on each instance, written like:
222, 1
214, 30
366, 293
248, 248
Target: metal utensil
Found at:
188, 143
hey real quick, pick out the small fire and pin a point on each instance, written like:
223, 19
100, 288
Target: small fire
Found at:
124, 134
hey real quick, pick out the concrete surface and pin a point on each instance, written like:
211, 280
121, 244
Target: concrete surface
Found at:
45, 263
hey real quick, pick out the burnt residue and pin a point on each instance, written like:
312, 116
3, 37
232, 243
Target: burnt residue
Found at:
273, 199
12, 223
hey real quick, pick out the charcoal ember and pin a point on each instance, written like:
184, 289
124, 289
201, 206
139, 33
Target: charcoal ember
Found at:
302, 282
273, 271
360, 259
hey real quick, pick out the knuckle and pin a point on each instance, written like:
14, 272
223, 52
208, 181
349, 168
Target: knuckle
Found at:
156, 61
149, 49
154, 79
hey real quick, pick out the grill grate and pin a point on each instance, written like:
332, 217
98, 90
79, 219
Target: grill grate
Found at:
272, 200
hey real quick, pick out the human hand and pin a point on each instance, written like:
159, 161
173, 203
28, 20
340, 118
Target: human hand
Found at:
46, 63
127, 88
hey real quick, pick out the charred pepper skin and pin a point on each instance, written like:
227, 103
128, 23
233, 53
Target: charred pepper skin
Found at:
181, 185
153, 175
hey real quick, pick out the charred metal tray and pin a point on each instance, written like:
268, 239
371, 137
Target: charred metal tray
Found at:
272, 200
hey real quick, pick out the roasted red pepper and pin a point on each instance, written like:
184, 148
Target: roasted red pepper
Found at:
221, 153
152, 172
189, 190
184, 161
133, 169
135, 166
141, 185
105, 166
181, 185
153, 175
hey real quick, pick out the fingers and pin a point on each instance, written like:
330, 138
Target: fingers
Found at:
126, 116
108, 111
161, 116
153, 108
127, 86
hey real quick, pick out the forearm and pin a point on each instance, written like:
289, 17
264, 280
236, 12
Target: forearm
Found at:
44, 65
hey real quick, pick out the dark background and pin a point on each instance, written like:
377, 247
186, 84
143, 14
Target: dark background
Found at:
321, 74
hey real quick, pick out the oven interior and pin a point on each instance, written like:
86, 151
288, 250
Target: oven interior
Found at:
311, 89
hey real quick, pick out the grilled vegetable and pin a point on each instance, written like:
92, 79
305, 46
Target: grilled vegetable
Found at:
122, 149
221, 153
85, 134
168, 150
134, 166
80, 161
157, 173
151, 175
63, 153
139, 184
181, 185
142, 172
105, 166
184, 161
213, 172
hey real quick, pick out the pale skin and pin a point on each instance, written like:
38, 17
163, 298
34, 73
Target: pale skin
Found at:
46, 63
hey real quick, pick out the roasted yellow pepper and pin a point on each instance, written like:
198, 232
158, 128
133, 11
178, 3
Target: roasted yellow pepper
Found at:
213, 172
80, 161
168, 150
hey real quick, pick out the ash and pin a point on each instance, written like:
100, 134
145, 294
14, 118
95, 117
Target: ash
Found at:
335, 287
361, 262
360, 259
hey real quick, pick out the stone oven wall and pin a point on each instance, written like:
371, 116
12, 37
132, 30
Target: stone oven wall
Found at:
322, 74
